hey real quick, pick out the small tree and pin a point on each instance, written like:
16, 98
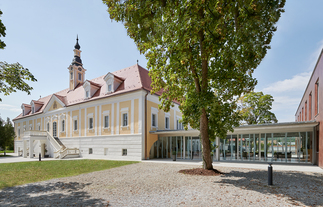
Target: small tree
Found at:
255, 108
7, 134
13, 76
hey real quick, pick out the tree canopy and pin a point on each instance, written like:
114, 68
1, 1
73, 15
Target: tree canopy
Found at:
13, 76
202, 53
255, 108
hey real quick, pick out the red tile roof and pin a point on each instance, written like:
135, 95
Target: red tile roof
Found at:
134, 78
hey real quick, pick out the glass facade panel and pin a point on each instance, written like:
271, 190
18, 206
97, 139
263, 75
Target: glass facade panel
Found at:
291, 147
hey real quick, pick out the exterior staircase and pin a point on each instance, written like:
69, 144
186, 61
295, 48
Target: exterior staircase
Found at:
59, 142
61, 150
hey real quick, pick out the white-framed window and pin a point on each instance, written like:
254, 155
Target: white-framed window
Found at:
75, 124
18, 132
153, 120
124, 152
106, 121
91, 123
32, 109
124, 116
38, 126
154, 117
87, 94
24, 127
54, 129
23, 111
30, 127
179, 124
109, 87
166, 122
125, 119
63, 126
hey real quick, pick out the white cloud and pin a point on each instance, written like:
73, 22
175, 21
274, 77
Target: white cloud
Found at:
296, 83
9, 107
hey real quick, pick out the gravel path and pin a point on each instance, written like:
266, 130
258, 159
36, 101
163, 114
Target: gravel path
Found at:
157, 184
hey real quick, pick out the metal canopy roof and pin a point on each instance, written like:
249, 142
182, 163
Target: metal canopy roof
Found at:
250, 129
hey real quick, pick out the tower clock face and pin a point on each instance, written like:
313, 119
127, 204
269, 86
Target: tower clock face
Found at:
80, 69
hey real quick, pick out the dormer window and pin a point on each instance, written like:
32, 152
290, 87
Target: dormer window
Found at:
87, 94
23, 111
112, 82
32, 109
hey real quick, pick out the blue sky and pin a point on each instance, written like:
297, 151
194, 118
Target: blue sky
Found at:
41, 36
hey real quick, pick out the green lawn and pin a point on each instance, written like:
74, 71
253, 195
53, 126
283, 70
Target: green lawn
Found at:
7, 151
12, 174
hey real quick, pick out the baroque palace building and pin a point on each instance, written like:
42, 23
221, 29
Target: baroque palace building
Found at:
107, 116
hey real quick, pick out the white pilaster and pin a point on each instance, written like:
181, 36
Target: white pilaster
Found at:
79, 122
31, 148
117, 124
85, 119
100, 114
132, 116
112, 119
71, 124
25, 149
140, 110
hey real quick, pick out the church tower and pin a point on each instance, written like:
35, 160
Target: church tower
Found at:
76, 70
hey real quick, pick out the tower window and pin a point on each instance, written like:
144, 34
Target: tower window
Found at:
80, 76
71, 75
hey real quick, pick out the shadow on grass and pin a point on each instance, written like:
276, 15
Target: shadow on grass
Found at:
49, 194
296, 186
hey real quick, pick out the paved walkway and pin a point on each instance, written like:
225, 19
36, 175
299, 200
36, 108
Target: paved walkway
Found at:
264, 166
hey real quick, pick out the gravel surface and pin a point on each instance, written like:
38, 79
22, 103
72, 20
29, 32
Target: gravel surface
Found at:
157, 184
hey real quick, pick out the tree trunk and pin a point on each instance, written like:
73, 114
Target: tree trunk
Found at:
207, 159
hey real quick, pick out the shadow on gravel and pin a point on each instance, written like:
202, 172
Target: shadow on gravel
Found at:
49, 194
297, 186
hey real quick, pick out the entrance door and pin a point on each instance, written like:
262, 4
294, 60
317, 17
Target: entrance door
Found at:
54, 129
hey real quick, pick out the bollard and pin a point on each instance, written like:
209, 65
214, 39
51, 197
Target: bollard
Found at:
270, 174
39, 157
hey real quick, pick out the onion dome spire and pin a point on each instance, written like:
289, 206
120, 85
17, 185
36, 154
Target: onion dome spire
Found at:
77, 46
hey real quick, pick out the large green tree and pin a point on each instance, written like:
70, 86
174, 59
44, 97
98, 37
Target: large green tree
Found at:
202, 53
255, 108
13, 76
